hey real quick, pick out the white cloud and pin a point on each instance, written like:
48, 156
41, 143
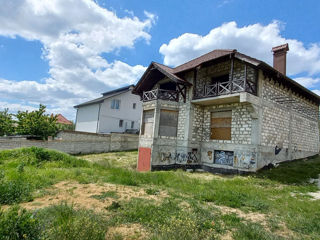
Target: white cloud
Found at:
74, 34
224, 2
15, 107
316, 91
254, 40
307, 82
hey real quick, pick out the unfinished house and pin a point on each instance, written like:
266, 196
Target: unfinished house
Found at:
225, 112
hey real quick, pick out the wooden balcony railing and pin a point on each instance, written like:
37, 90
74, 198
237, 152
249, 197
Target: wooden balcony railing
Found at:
155, 94
224, 88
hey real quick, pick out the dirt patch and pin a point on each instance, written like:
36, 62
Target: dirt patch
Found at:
205, 176
256, 218
315, 195
127, 232
227, 236
85, 195
250, 216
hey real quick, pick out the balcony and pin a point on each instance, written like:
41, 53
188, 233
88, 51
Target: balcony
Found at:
169, 95
225, 88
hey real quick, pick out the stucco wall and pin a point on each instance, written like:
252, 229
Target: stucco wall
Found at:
87, 118
78, 142
109, 118
101, 118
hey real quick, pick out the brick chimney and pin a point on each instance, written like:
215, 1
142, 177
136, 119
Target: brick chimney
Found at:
280, 57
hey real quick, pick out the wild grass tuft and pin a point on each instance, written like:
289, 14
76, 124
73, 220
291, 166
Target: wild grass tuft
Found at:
64, 222
17, 223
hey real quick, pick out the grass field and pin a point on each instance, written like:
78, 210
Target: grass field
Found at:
50, 195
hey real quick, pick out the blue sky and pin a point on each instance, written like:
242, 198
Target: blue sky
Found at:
63, 52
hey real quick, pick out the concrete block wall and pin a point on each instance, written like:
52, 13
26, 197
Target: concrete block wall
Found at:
78, 142
283, 125
305, 134
275, 127
241, 125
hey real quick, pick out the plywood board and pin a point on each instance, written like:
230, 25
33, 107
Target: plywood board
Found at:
221, 125
168, 123
147, 123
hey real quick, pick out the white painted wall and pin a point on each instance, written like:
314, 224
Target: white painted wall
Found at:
87, 118
109, 118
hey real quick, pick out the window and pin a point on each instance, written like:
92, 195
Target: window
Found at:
147, 123
221, 125
221, 78
168, 123
134, 105
132, 124
168, 86
115, 104
120, 123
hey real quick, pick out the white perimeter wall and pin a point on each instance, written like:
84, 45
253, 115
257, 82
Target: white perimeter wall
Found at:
87, 118
109, 118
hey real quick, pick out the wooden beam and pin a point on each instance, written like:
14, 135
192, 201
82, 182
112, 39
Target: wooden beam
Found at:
245, 77
182, 91
195, 76
231, 74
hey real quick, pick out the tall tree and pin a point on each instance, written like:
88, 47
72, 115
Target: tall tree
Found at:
6, 123
37, 123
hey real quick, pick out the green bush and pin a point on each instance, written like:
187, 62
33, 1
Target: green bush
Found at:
64, 222
16, 224
14, 190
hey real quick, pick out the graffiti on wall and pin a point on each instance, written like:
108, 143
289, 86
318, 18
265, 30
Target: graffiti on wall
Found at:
245, 160
180, 157
223, 157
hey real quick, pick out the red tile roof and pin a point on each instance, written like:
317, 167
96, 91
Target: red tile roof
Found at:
62, 120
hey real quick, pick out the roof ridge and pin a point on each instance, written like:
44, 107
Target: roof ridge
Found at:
227, 51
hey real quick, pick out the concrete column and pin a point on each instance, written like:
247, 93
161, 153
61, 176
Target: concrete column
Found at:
156, 120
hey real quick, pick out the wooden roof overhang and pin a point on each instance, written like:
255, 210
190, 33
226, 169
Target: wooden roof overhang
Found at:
154, 73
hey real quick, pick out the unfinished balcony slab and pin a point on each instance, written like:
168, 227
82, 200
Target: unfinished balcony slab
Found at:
242, 97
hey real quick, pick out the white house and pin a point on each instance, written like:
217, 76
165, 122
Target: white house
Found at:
116, 111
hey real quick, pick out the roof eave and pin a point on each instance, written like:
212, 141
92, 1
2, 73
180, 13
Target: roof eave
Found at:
87, 104
267, 67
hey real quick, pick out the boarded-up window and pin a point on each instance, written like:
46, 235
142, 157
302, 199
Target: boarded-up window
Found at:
221, 125
147, 123
168, 123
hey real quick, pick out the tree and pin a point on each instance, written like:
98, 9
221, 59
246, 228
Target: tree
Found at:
37, 123
6, 123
